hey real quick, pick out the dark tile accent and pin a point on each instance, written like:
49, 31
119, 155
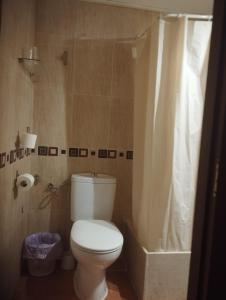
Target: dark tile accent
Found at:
42, 150
112, 153
12, 156
53, 151
129, 154
93, 153
2, 160
83, 152
20, 153
63, 151
121, 154
28, 152
32, 150
102, 153
73, 152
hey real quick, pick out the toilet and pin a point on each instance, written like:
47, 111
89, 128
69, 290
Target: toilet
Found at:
95, 241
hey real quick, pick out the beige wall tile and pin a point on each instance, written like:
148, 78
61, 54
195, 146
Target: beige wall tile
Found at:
52, 73
16, 101
123, 71
109, 22
92, 69
88, 103
55, 21
50, 115
81, 165
90, 121
123, 203
38, 220
121, 124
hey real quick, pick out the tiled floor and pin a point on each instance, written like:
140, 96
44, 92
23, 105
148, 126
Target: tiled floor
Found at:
58, 286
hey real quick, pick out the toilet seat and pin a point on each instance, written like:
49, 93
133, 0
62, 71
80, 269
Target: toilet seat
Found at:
96, 236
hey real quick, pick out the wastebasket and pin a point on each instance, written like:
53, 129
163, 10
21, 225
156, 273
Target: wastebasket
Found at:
41, 250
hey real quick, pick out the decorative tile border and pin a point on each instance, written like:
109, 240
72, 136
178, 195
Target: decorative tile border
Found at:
53, 151
102, 153
73, 152
18, 154
129, 154
43, 150
85, 152
121, 154
2, 160
13, 155
112, 154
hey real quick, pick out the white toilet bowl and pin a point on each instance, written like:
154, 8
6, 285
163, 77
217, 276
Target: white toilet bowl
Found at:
95, 244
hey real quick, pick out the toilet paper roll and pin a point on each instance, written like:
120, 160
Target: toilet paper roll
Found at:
25, 182
28, 140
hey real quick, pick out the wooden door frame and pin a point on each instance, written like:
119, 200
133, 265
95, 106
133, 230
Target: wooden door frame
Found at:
207, 278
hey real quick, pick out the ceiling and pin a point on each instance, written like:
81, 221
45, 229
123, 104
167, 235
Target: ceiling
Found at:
199, 7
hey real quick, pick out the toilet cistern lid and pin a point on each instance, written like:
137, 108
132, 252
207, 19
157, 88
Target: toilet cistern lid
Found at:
96, 235
93, 178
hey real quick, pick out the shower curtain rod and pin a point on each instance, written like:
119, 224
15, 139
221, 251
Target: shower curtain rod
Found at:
190, 17
143, 34
162, 16
139, 36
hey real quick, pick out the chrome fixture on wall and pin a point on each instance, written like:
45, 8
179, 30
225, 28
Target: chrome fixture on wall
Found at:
30, 59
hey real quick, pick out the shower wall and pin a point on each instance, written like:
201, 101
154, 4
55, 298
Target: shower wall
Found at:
16, 106
86, 104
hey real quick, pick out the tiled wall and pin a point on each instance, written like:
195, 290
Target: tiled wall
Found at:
16, 113
82, 111
86, 106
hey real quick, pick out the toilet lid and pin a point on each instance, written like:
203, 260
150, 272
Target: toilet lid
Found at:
96, 235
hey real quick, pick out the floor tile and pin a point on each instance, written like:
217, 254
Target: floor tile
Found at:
59, 286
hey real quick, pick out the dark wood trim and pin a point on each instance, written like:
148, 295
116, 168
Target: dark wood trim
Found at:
0, 16
207, 271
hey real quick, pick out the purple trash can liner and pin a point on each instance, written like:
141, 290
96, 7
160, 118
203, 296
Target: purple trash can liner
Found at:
43, 245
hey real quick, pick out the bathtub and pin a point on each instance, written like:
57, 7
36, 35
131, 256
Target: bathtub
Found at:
156, 275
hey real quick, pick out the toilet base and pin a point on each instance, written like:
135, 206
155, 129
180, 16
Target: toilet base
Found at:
90, 283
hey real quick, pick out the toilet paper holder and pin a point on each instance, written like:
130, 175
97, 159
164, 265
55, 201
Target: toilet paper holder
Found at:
28, 139
36, 177
15, 187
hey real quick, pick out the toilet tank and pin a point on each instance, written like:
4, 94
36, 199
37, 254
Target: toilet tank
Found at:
92, 196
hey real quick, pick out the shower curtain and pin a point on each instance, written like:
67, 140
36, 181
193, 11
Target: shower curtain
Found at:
170, 79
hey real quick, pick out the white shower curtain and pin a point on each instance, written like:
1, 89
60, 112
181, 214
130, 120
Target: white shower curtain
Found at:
169, 98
